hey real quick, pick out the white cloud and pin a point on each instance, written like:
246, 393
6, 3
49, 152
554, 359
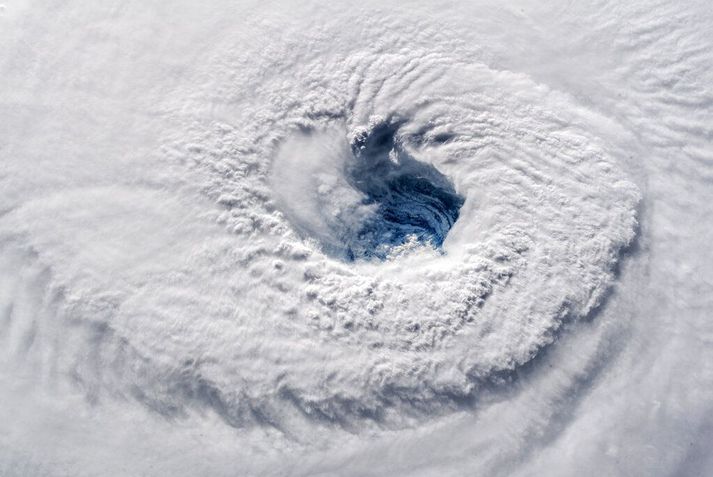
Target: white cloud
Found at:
165, 275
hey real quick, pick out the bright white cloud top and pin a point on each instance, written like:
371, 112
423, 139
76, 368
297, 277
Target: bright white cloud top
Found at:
276, 239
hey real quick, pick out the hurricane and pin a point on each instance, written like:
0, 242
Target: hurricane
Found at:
321, 238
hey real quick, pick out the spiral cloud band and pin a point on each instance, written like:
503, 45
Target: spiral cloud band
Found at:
277, 239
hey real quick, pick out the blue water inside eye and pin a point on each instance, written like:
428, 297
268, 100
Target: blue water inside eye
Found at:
411, 198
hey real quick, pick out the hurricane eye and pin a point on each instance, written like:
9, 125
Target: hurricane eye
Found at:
363, 199
412, 199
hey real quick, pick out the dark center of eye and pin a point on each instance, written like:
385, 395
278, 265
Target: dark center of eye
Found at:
412, 199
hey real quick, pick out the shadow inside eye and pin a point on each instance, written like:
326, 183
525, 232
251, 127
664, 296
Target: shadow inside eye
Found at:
442, 138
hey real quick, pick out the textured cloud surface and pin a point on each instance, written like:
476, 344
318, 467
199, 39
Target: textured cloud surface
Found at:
279, 239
